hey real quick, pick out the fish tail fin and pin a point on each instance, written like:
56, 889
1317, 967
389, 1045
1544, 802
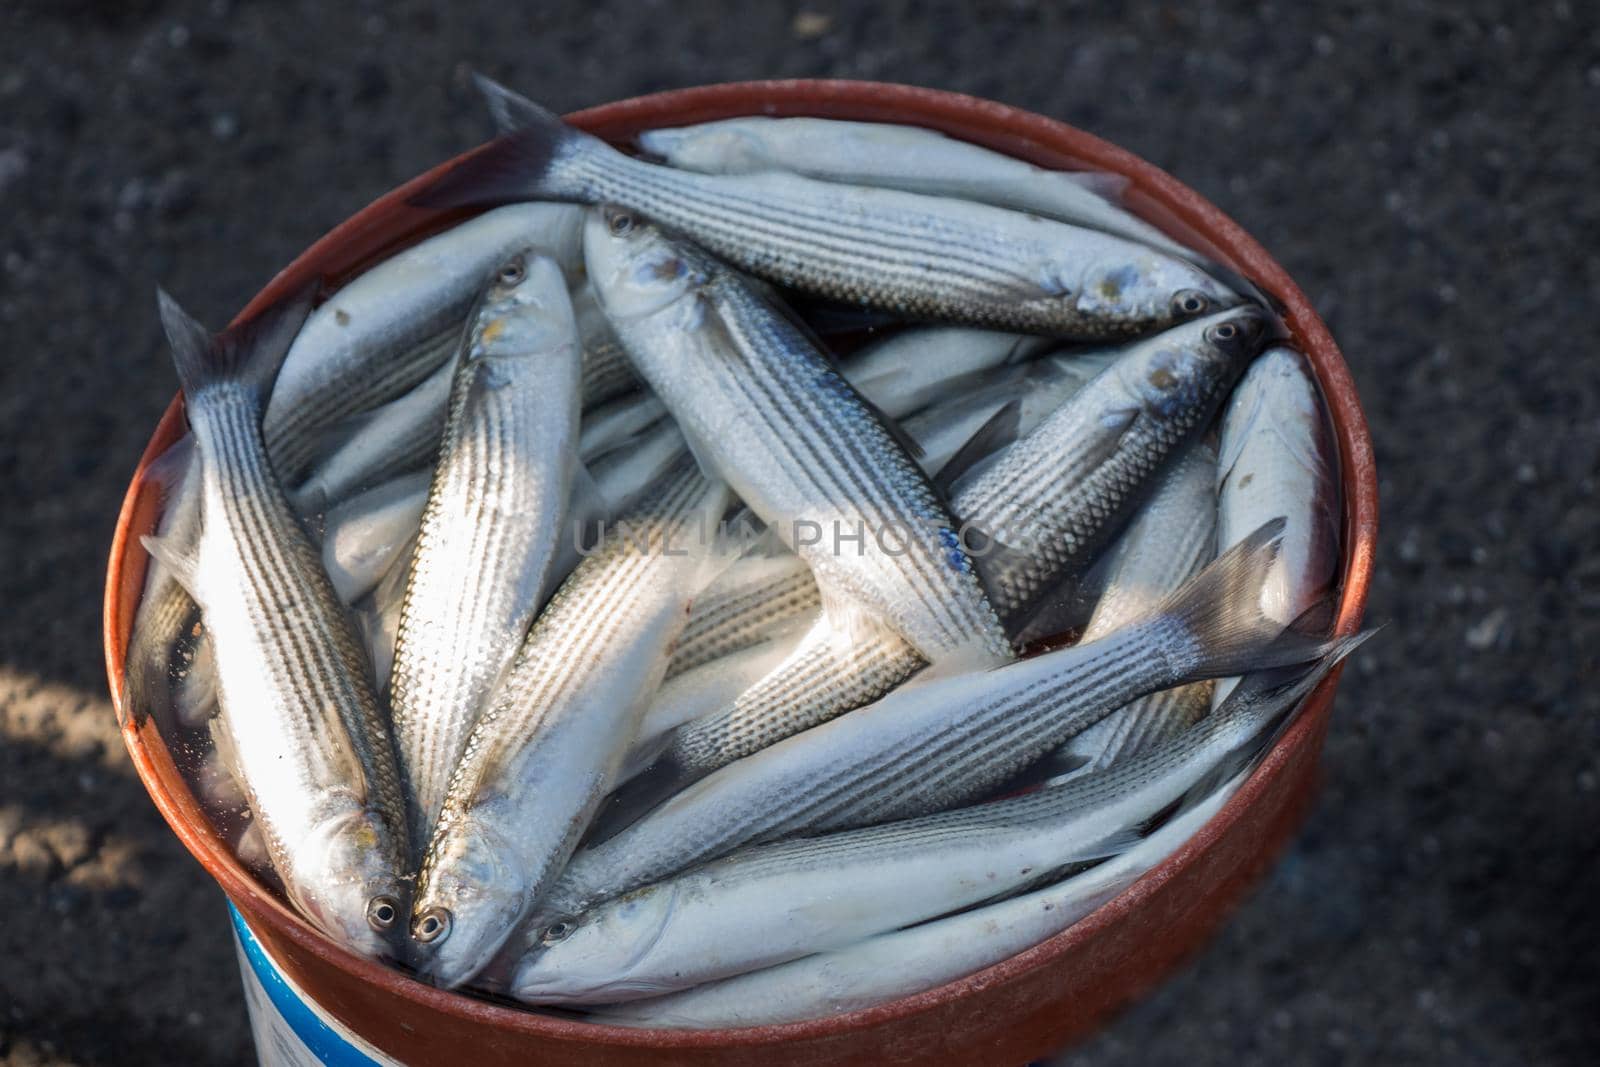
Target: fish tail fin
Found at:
1264, 697
526, 162
248, 354
1284, 688
1220, 611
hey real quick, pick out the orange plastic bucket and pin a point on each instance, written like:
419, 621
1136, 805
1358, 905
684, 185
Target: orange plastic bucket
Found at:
1019, 1009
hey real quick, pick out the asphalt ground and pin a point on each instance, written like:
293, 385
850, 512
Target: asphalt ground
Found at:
1425, 170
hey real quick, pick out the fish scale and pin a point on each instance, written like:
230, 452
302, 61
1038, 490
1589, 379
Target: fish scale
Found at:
293, 439
729, 618
824, 672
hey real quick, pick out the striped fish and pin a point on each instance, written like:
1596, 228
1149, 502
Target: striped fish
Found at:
918, 256
370, 342
904, 157
299, 719
492, 520
1044, 521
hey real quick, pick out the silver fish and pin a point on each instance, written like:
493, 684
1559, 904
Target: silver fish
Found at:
492, 521
921, 257
904, 157
542, 756
773, 903
906, 962
1045, 521
919, 367
1277, 451
1034, 391
762, 408
362, 538
622, 475
405, 433
1170, 539
617, 423
936, 743
304, 732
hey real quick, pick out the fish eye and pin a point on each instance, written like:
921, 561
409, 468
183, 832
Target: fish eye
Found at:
620, 223
1190, 302
513, 272
432, 925
557, 932
382, 912
1224, 333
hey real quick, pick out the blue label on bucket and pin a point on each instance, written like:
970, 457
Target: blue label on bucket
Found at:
290, 1030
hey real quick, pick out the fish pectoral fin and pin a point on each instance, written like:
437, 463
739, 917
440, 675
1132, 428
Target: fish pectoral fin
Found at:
179, 558
1115, 425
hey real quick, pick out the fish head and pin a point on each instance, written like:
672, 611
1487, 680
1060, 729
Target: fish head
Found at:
471, 894
1180, 369
594, 954
525, 310
1147, 287
636, 269
346, 878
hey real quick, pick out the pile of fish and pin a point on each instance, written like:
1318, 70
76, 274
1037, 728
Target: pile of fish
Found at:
552, 611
